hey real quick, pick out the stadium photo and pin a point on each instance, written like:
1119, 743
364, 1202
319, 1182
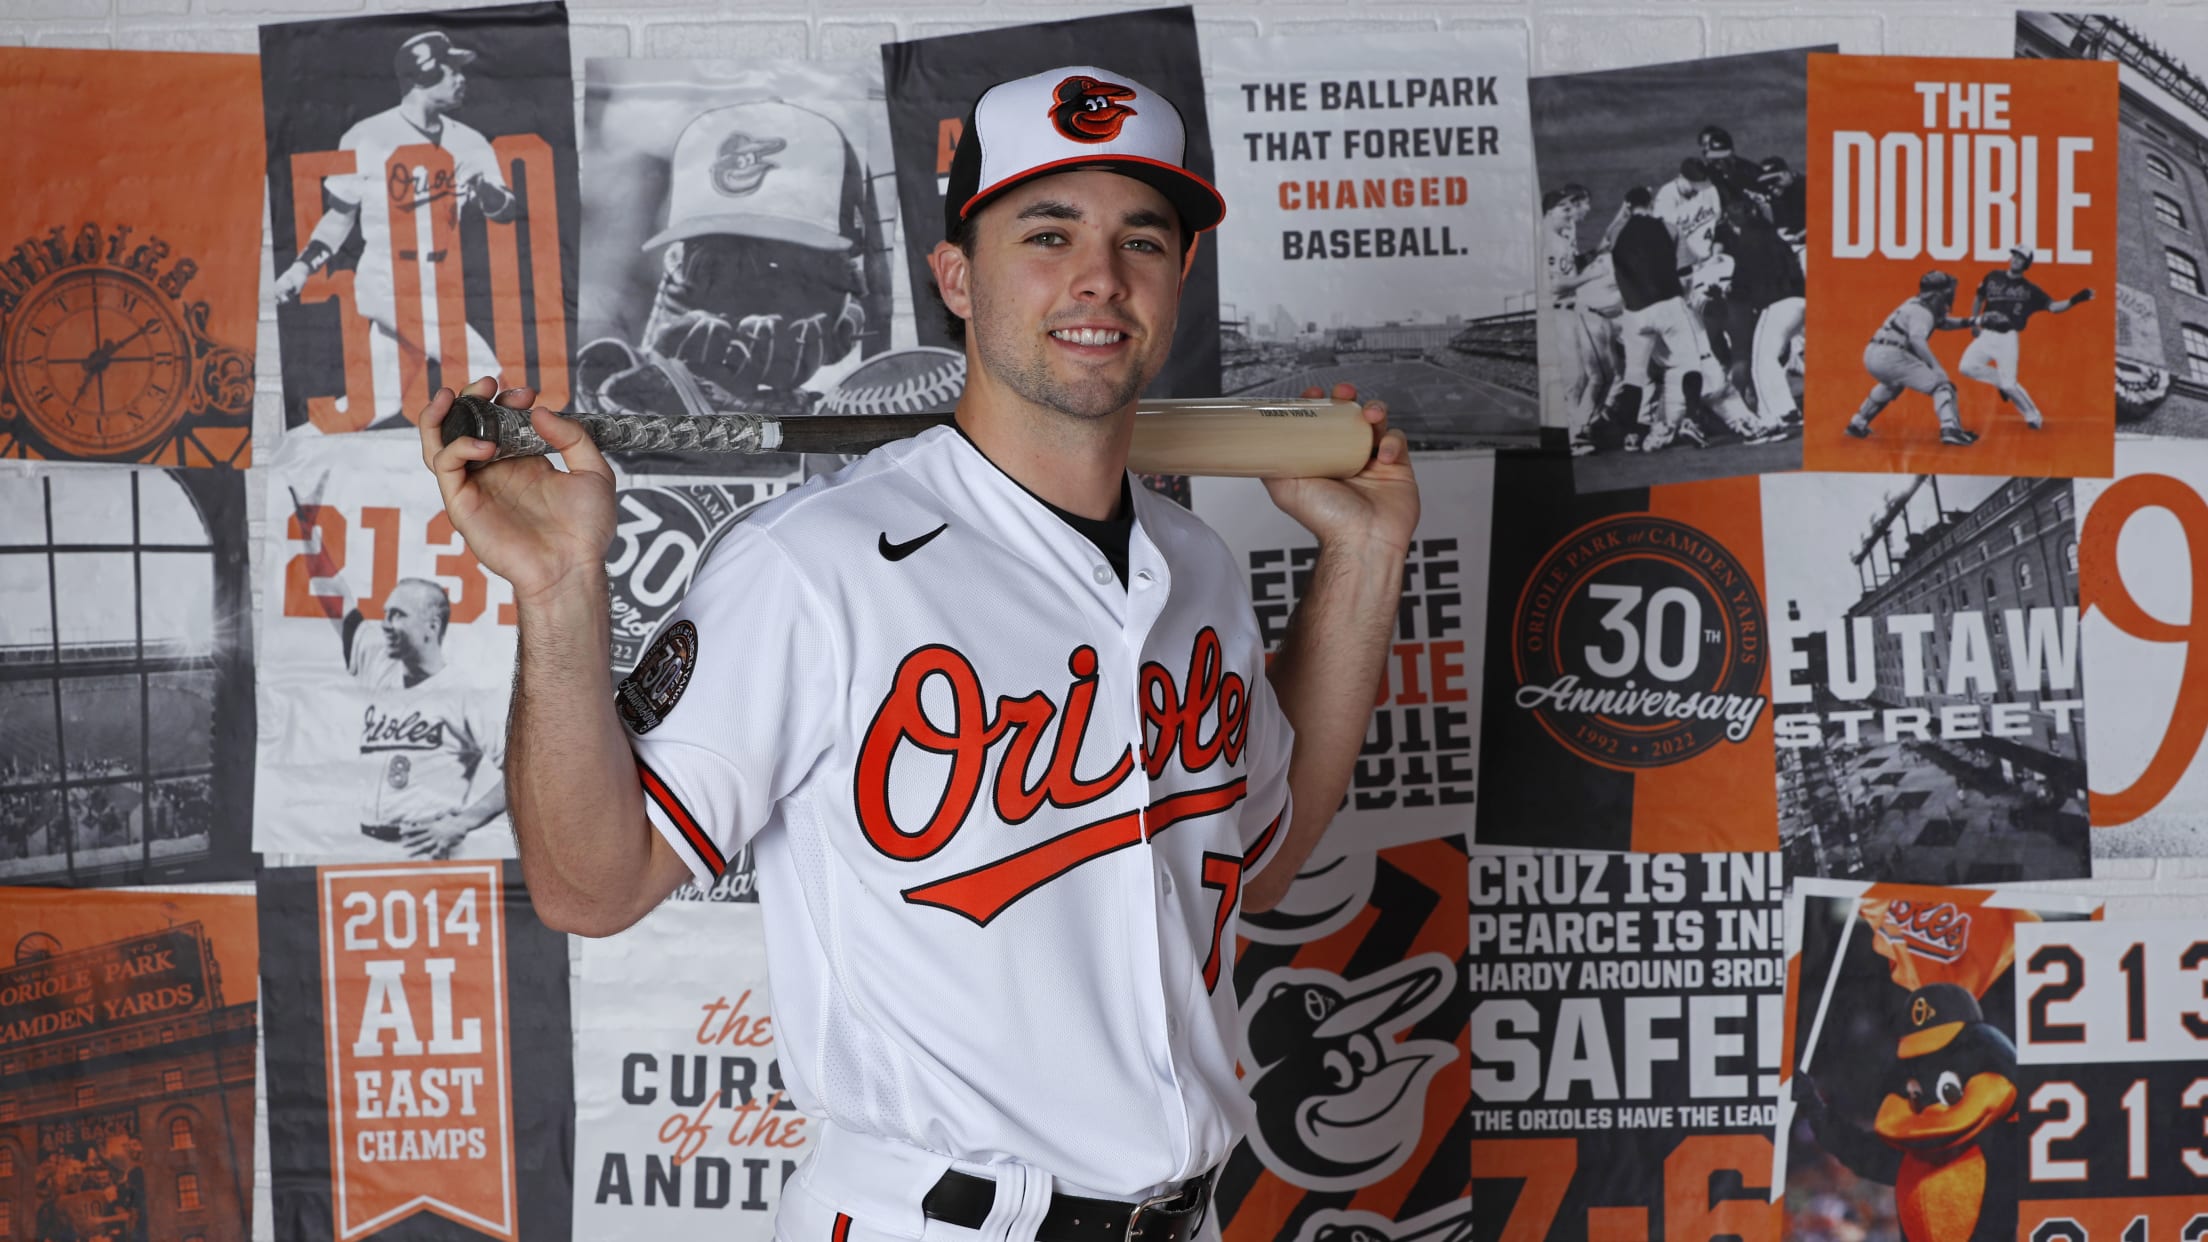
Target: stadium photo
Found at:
121, 675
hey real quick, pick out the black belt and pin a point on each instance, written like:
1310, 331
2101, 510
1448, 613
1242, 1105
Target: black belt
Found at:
964, 1200
381, 832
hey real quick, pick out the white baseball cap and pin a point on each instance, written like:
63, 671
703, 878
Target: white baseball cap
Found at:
1078, 116
766, 169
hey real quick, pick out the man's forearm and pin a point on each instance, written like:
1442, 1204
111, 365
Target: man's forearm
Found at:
571, 783
1326, 675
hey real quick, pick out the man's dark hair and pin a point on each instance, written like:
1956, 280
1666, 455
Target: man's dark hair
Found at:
963, 238
1639, 196
1693, 169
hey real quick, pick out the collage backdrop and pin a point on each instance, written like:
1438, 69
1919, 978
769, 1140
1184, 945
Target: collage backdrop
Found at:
1644, 691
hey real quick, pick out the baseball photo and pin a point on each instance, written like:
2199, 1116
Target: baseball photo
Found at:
1963, 263
1349, 259
743, 219
126, 754
1673, 221
422, 190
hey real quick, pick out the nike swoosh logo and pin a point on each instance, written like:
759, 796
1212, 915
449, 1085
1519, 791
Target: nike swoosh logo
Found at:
899, 551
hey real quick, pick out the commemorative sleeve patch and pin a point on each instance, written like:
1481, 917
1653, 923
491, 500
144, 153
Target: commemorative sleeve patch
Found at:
653, 688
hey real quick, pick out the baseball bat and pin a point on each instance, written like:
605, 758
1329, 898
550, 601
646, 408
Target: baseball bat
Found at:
1222, 436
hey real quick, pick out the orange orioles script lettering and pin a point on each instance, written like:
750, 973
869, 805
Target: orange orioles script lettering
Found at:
1939, 930
1211, 723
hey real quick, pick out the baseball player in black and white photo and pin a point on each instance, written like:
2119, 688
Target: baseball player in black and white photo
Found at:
435, 749
1899, 358
2005, 303
763, 279
1584, 308
423, 204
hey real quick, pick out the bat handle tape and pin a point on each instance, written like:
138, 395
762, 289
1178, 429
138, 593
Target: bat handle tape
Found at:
510, 429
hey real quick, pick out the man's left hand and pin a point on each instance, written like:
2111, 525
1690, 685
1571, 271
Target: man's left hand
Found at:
1379, 502
436, 836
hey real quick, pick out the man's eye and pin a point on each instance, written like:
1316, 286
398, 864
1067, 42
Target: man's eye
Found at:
1144, 243
1047, 239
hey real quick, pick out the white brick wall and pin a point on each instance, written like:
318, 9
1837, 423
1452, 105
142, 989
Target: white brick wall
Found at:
1563, 36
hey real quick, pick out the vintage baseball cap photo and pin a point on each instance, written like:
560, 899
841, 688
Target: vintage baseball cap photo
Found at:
768, 169
1079, 116
431, 49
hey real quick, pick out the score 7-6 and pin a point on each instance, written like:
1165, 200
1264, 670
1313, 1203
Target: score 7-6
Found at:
2113, 1017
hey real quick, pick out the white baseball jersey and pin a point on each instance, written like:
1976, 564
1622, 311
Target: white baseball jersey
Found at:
1691, 215
1560, 252
433, 746
1002, 808
428, 203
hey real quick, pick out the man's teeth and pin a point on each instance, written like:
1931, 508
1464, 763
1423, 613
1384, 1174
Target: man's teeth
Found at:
1088, 336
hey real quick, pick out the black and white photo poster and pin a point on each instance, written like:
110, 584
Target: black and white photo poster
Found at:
932, 85
422, 199
1928, 697
126, 753
1672, 225
1376, 192
742, 234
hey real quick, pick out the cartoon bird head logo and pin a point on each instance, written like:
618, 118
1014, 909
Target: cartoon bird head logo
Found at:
1954, 1075
1088, 109
742, 164
1340, 1096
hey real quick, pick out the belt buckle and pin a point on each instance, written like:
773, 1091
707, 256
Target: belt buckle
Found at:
1196, 1189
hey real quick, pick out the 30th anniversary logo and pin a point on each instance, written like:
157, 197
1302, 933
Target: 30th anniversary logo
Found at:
1639, 642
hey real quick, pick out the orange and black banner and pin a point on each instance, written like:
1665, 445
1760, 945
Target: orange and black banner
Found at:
419, 1056
1628, 673
1353, 1014
424, 206
129, 269
127, 1024
1625, 1043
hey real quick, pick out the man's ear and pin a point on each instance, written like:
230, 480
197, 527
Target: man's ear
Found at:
952, 268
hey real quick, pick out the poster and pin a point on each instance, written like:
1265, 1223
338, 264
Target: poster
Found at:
1369, 185
2158, 203
1417, 775
683, 1130
418, 1051
1671, 298
932, 84
1965, 266
1905, 1112
1627, 667
2109, 1025
1625, 1043
127, 1025
743, 225
1928, 692
423, 202
129, 277
127, 756
1355, 1053
2143, 537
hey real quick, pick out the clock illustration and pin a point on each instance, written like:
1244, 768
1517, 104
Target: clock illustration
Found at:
100, 362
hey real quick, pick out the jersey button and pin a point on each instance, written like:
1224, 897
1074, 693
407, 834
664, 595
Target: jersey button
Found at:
1103, 575
1166, 883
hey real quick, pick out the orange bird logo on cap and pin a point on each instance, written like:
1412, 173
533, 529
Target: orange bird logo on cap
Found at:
1088, 110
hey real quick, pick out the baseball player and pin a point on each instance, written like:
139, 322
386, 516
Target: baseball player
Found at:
1690, 207
423, 202
435, 749
766, 273
997, 727
1762, 308
1785, 197
1589, 338
1657, 318
1734, 177
2006, 302
1900, 356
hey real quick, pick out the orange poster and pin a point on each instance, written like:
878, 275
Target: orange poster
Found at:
1964, 274
130, 251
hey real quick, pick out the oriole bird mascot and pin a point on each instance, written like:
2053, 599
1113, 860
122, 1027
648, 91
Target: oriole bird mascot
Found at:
1945, 1136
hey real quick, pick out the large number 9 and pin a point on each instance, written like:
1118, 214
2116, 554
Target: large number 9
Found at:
2101, 585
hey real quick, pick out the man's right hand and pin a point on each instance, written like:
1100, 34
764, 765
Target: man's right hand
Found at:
540, 528
289, 282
